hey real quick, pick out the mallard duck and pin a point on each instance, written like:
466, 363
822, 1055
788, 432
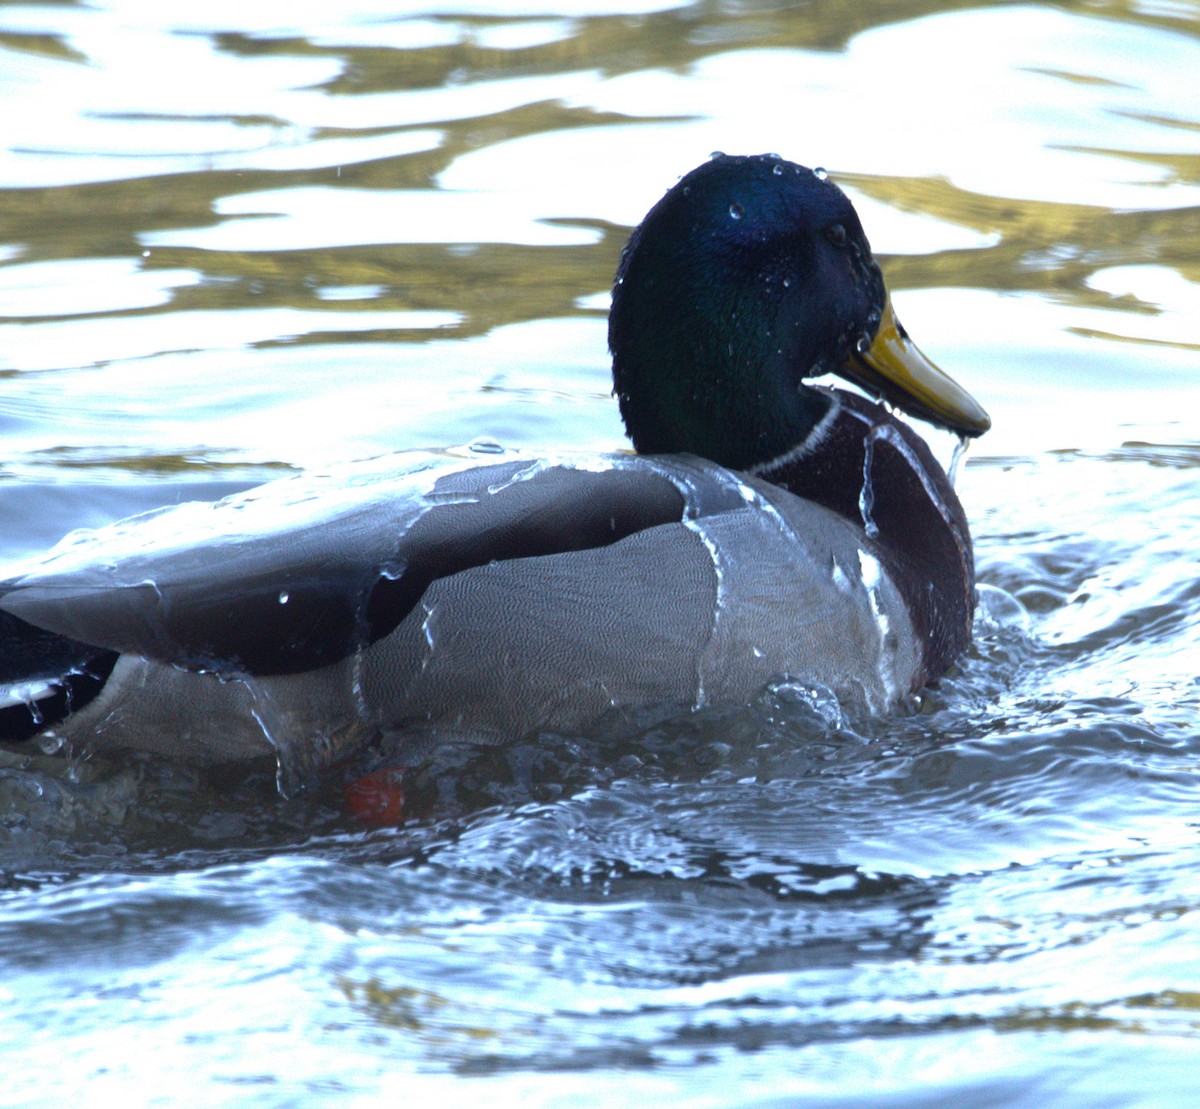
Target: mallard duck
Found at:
766, 526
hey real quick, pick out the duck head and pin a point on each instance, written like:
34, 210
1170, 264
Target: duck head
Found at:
751, 276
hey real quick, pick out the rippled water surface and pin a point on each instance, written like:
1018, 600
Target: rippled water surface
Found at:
259, 238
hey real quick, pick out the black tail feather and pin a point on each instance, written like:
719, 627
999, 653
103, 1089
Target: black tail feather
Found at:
69, 674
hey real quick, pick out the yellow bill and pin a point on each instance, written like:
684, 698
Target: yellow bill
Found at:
894, 368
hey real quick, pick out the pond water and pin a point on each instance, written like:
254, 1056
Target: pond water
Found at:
240, 242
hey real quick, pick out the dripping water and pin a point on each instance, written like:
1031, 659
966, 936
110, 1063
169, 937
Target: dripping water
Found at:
866, 496
957, 458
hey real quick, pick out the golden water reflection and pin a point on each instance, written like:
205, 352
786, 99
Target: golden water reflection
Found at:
508, 156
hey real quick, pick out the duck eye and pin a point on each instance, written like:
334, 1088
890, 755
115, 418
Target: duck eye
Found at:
836, 234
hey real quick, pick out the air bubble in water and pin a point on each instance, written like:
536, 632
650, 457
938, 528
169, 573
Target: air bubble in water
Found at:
50, 744
484, 445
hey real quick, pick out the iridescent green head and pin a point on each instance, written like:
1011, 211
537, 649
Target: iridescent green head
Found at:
749, 277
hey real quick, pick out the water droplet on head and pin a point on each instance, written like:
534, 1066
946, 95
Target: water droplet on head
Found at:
283, 596
736, 211
777, 170
821, 173
717, 154
787, 282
